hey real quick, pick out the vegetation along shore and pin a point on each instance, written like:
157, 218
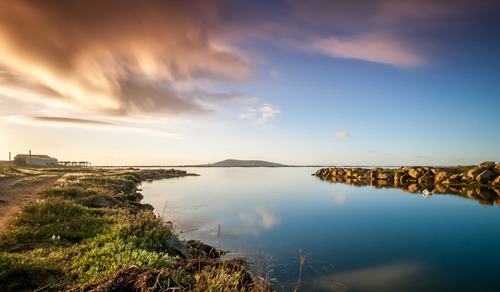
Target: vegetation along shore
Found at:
88, 231
479, 182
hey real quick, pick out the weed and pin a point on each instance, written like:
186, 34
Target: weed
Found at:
34, 179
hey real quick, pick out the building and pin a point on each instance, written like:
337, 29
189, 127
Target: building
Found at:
38, 159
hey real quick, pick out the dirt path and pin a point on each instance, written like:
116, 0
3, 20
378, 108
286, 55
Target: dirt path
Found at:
13, 198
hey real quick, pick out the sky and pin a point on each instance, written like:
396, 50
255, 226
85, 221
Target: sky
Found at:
369, 83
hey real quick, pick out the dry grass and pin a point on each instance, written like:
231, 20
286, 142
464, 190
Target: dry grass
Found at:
33, 179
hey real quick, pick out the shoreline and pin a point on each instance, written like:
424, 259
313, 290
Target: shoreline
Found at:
90, 229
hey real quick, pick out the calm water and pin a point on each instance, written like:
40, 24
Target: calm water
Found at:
357, 238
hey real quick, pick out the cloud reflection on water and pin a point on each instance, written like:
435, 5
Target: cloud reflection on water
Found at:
260, 217
389, 277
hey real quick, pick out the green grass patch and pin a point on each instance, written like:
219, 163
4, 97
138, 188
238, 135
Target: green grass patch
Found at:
461, 169
75, 244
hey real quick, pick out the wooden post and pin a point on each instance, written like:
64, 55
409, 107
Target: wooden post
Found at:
9, 157
30, 157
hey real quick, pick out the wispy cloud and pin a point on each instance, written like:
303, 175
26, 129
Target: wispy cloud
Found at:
261, 115
339, 135
343, 135
84, 123
423, 157
369, 48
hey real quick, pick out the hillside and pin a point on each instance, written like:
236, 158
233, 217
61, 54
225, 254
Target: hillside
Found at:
244, 163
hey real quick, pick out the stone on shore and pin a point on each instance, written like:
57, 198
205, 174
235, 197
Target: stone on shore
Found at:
385, 176
414, 173
497, 168
473, 173
442, 176
487, 165
485, 176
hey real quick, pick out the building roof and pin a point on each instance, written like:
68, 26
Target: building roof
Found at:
34, 156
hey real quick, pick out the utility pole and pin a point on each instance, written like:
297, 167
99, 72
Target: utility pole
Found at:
30, 156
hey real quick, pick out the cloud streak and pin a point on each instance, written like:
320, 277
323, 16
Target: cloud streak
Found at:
339, 135
84, 123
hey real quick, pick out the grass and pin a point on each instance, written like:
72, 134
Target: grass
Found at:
34, 179
60, 242
460, 169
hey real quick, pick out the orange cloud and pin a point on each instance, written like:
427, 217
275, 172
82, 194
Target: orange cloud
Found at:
119, 57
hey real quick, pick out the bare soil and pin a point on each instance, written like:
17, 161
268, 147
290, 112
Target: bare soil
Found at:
13, 198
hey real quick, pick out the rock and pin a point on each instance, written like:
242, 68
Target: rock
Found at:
414, 173
182, 248
497, 169
464, 176
442, 176
473, 173
385, 176
426, 178
496, 181
404, 178
101, 202
487, 165
485, 176
3, 201
135, 197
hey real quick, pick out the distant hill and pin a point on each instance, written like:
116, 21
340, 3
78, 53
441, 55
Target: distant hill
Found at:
244, 163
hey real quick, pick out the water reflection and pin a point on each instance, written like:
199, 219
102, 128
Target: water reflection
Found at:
389, 277
484, 195
350, 232
260, 217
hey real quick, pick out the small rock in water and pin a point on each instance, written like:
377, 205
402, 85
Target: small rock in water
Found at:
426, 193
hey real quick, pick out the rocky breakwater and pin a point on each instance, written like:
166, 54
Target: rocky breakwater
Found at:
153, 174
129, 193
480, 182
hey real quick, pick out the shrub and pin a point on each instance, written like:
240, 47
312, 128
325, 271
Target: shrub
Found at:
21, 162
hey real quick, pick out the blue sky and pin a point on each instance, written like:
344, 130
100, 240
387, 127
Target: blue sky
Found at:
301, 82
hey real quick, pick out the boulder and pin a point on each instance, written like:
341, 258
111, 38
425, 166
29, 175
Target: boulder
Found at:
414, 173
404, 178
442, 176
487, 165
485, 176
101, 202
496, 181
385, 176
426, 178
464, 176
497, 168
473, 173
